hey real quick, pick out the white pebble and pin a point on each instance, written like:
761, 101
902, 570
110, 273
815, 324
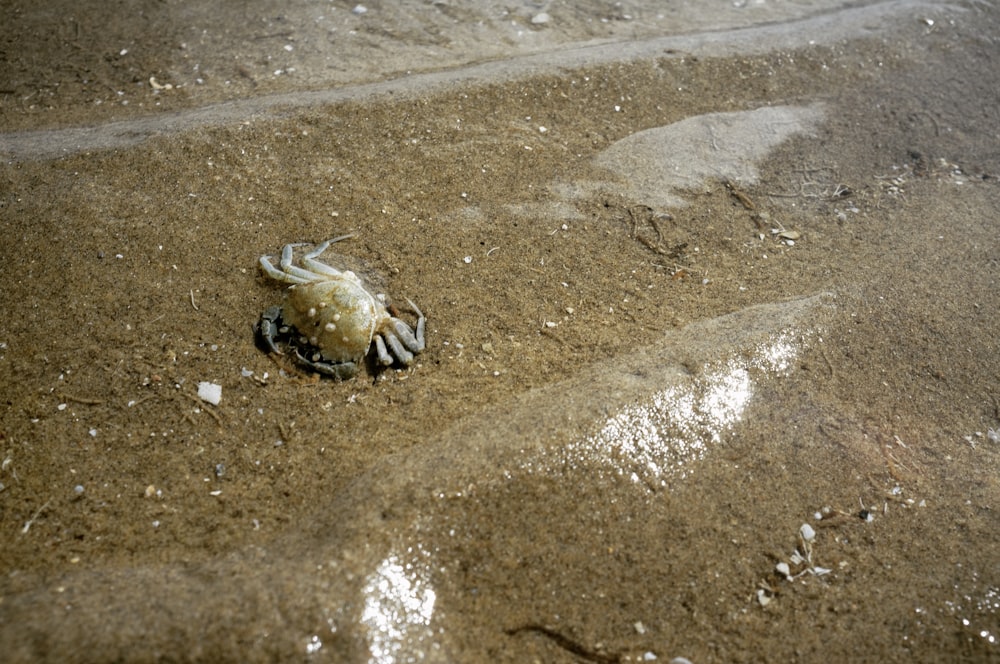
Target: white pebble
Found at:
210, 392
807, 532
540, 18
359, 10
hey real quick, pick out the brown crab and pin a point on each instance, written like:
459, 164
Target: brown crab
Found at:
331, 317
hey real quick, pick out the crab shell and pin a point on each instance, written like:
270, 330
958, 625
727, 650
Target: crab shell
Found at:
335, 316
338, 317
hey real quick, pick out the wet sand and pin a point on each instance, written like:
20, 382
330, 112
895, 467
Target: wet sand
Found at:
690, 281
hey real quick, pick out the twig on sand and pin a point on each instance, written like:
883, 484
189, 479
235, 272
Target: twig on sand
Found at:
34, 517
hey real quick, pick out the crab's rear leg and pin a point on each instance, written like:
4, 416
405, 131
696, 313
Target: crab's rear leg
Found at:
309, 259
297, 274
421, 322
281, 275
338, 370
398, 350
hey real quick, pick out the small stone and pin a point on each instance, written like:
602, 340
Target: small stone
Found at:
210, 392
807, 532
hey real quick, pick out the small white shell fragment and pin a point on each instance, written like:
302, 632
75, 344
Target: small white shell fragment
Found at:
540, 18
467, 259
156, 85
807, 532
762, 597
639, 627
210, 392
783, 569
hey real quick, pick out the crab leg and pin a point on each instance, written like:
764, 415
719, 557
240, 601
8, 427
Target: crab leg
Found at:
383, 355
279, 275
421, 322
309, 260
398, 350
404, 334
291, 270
268, 328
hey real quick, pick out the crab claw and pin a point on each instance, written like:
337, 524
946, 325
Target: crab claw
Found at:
268, 328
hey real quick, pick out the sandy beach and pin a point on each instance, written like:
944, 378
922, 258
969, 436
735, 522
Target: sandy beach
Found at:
712, 365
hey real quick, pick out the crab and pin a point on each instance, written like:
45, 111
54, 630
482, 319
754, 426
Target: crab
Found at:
331, 317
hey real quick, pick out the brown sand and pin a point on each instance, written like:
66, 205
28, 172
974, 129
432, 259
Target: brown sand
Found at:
207, 532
